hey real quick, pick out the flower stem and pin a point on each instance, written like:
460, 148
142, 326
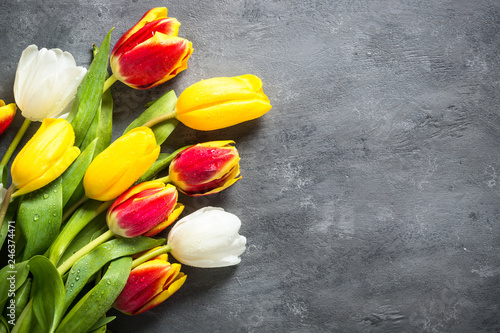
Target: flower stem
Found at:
15, 142
151, 255
5, 204
165, 179
83, 251
160, 119
109, 82
72, 209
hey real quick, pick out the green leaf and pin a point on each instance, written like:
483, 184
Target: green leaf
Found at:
74, 174
16, 273
89, 93
163, 105
39, 217
22, 297
99, 300
100, 325
91, 231
87, 266
76, 223
4, 327
101, 126
104, 127
48, 293
161, 163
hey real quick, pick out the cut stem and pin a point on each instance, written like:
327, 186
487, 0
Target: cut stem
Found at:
160, 119
150, 255
109, 82
5, 204
83, 251
15, 142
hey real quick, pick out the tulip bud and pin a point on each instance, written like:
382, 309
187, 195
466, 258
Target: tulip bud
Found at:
117, 168
205, 168
222, 102
150, 53
7, 113
45, 157
149, 284
141, 208
207, 238
46, 82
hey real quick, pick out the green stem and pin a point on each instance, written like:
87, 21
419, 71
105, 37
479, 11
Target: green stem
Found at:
160, 119
5, 205
15, 142
109, 82
165, 179
83, 251
72, 209
151, 255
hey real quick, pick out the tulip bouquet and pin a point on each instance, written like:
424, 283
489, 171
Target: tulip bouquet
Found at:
81, 222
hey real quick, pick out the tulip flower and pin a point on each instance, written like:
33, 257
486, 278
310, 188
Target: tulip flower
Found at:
117, 168
46, 82
45, 157
141, 208
7, 113
205, 168
222, 102
149, 284
207, 238
150, 53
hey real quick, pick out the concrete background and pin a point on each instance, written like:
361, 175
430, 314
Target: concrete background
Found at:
370, 192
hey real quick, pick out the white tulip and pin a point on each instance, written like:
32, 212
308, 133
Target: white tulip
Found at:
207, 238
46, 82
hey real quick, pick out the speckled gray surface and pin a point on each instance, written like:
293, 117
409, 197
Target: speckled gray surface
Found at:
370, 192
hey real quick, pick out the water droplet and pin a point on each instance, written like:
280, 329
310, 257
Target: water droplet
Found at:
45, 196
55, 191
36, 217
54, 214
77, 278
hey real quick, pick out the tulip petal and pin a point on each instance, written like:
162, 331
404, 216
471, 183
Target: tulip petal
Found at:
180, 278
207, 238
115, 169
45, 157
149, 16
7, 113
161, 58
162, 226
222, 102
168, 26
46, 82
55, 171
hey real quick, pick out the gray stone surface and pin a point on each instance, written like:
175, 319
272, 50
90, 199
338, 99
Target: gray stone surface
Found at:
370, 192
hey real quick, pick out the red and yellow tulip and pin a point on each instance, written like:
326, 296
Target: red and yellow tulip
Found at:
7, 113
149, 284
150, 53
205, 168
145, 209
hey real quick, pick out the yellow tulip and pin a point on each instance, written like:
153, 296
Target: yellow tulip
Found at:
117, 168
222, 102
45, 157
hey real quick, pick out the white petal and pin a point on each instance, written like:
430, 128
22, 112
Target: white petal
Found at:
46, 82
207, 238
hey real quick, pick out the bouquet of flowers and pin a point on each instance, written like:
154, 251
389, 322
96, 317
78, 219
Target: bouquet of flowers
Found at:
81, 218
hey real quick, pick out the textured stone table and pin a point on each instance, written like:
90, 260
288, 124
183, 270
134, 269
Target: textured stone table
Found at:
370, 192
